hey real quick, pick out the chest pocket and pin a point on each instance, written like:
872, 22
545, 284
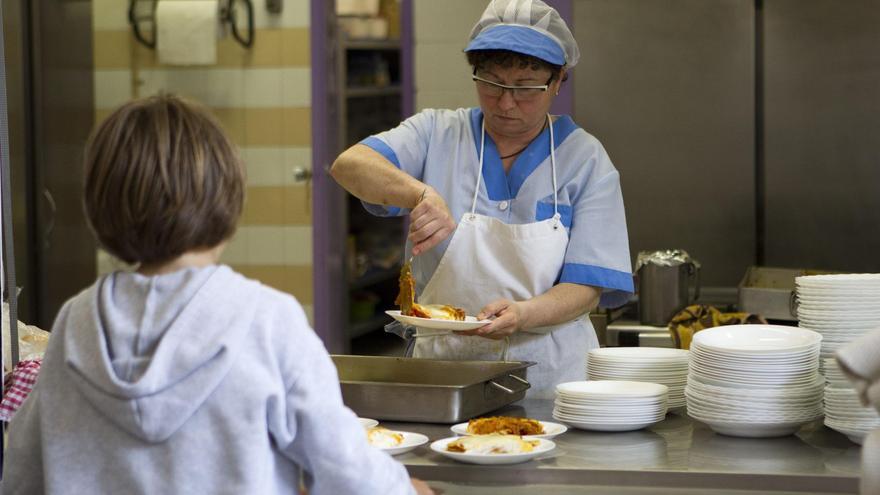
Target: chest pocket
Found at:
544, 210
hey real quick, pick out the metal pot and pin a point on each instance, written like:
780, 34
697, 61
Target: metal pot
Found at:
664, 288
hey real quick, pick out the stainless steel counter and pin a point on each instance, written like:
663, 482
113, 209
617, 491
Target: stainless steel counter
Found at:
673, 456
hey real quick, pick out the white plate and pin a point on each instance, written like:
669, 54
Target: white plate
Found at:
544, 446
627, 354
604, 426
410, 441
612, 388
368, 423
469, 322
752, 429
550, 430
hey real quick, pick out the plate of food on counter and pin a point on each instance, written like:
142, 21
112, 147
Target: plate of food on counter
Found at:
368, 422
492, 449
394, 442
524, 427
432, 316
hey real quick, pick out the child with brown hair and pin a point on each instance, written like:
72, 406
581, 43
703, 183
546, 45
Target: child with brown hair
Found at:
183, 376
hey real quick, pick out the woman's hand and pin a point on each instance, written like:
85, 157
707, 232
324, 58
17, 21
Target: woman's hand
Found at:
421, 487
509, 318
430, 222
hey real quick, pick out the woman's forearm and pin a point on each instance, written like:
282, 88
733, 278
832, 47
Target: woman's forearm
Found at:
370, 177
563, 302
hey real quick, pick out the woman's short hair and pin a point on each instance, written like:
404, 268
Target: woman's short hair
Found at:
482, 59
161, 178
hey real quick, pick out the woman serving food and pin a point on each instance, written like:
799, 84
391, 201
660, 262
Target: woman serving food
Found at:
515, 215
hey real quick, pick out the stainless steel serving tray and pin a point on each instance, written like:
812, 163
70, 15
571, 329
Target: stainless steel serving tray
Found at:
428, 390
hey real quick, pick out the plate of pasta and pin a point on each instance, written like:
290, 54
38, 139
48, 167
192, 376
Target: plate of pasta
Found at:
525, 427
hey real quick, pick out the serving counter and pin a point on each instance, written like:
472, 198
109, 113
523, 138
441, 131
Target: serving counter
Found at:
678, 455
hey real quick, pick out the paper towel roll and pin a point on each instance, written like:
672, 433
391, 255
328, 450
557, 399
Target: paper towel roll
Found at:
186, 31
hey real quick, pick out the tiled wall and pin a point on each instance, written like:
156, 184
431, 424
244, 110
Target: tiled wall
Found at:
262, 95
440, 32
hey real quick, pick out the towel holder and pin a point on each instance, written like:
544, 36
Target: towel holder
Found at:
228, 14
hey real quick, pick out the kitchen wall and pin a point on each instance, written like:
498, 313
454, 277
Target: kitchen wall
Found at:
442, 74
262, 95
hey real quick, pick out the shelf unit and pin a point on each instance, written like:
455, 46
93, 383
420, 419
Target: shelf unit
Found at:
370, 99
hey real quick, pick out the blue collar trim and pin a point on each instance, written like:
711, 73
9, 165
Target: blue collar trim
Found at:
501, 186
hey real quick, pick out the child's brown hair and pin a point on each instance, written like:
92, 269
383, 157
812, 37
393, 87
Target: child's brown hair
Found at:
161, 178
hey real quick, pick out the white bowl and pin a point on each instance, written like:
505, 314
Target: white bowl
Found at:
757, 338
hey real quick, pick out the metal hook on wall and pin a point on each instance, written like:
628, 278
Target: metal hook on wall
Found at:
135, 20
227, 14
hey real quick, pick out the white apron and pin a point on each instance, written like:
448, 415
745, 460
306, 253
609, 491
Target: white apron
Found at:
488, 259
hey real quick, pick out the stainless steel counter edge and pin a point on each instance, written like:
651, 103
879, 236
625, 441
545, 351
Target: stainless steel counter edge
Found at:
640, 478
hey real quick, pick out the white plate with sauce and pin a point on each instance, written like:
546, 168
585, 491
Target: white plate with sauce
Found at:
469, 323
550, 430
410, 442
543, 446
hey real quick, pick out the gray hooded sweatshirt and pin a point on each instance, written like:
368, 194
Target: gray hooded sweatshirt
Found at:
198, 381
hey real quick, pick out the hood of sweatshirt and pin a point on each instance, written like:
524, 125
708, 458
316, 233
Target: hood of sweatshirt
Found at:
147, 351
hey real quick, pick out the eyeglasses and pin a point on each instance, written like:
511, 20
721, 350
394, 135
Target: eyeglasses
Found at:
519, 93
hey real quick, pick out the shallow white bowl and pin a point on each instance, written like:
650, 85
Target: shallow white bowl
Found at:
757, 338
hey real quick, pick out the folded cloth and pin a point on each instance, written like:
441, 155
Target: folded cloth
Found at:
860, 361
698, 317
17, 386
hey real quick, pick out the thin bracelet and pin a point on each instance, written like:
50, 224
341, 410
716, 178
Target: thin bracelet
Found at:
421, 197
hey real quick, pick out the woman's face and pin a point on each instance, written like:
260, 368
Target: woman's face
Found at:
512, 116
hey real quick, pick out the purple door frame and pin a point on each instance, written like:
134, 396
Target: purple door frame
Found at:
328, 239
329, 229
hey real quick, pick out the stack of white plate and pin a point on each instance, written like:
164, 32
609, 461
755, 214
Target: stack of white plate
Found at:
755, 380
642, 364
840, 307
610, 405
844, 411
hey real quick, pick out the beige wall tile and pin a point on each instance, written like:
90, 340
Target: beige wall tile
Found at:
262, 127
446, 20
277, 205
441, 32
112, 88
225, 87
296, 280
273, 166
272, 48
272, 245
